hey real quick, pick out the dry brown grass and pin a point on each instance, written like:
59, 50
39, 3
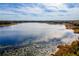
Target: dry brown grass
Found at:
68, 50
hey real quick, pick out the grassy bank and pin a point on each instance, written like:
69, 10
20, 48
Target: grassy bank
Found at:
74, 27
3, 25
68, 50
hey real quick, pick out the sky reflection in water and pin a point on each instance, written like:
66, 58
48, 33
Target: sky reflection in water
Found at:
34, 32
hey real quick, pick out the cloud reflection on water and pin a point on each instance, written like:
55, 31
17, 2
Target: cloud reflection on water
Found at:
35, 32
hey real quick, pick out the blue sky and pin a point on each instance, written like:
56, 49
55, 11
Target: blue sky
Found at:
39, 11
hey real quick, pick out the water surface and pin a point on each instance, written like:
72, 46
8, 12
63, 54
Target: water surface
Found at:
27, 33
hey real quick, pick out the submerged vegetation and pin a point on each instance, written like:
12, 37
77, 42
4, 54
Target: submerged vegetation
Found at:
27, 50
23, 51
68, 50
63, 50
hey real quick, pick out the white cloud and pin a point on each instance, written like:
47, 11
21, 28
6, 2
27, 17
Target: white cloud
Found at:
49, 12
31, 10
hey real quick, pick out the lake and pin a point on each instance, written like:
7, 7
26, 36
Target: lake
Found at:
39, 33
